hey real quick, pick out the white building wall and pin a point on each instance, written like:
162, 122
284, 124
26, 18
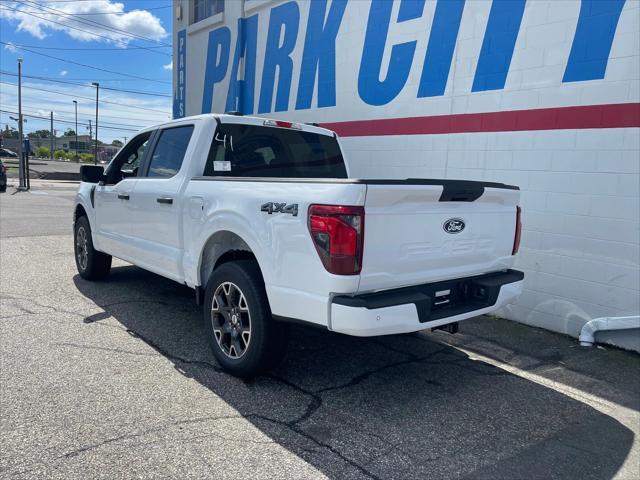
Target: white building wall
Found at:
580, 186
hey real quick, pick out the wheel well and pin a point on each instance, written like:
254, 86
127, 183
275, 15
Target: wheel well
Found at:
79, 212
223, 247
232, 255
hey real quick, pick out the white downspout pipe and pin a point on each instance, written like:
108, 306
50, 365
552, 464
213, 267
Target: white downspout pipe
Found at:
606, 323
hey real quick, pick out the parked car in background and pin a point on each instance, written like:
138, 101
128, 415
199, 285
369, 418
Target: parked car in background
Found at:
263, 220
6, 153
3, 177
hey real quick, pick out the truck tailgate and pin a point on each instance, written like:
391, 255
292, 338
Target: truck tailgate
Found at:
422, 231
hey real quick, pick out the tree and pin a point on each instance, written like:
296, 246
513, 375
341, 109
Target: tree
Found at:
70, 132
10, 132
39, 134
117, 143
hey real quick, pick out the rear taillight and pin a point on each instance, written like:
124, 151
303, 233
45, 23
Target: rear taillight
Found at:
516, 238
338, 235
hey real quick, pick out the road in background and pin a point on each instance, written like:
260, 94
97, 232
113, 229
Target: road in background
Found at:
114, 379
45, 169
45, 210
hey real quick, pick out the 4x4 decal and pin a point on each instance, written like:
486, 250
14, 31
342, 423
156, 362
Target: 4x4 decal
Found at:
275, 207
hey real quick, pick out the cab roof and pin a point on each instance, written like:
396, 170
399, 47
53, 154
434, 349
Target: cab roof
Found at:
246, 120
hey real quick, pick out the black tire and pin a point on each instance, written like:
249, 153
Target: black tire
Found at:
226, 325
91, 264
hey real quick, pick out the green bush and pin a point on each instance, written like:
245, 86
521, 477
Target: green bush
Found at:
42, 152
60, 155
86, 157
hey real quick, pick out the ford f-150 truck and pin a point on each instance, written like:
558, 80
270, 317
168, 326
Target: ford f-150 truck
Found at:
263, 220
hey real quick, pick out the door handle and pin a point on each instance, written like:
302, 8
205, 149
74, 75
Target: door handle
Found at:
165, 200
123, 196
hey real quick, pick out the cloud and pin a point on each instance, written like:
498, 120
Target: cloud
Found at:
63, 73
38, 21
168, 66
9, 46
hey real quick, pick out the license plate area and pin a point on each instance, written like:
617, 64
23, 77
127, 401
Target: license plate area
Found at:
459, 295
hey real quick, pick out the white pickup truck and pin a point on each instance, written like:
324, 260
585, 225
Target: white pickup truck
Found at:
262, 219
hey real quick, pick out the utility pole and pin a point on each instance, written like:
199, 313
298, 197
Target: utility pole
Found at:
125, 140
21, 169
76, 105
97, 85
52, 137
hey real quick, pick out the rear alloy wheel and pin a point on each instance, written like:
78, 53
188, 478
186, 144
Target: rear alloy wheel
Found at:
231, 320
243, 336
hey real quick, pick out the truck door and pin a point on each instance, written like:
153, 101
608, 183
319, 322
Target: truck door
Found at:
113, 198
156, 204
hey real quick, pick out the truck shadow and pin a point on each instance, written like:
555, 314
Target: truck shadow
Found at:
389, 407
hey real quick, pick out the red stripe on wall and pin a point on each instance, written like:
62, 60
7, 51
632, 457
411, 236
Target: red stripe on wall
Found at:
561, 118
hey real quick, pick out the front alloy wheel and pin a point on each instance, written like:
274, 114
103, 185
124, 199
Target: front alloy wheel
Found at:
82, 254
91, 264
231, 320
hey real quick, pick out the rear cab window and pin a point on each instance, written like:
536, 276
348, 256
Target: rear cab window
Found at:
239, 150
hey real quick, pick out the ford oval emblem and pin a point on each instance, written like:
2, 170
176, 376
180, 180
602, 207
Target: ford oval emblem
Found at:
453, 225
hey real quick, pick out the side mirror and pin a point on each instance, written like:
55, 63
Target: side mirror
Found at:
91, 173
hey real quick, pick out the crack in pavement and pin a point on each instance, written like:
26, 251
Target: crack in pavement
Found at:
297, 429
365, 375
171, 356
106, 349
127, 436
292, 425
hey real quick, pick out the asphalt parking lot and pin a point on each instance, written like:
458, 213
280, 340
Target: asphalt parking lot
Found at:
115, 380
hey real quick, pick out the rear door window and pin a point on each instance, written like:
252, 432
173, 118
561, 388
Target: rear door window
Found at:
169, 151
261, 151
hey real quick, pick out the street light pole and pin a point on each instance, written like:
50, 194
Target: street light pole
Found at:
97, 85
51, 136
76, 105
21, 169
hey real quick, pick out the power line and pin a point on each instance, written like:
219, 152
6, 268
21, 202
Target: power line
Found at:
88, 66
116, 13
146, 120
66, 25
55, 80
98, 79
93, 49
62, 13
86, 98
34, 111
67, 121
92, 23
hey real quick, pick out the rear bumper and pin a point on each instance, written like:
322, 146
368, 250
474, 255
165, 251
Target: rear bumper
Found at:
426, 306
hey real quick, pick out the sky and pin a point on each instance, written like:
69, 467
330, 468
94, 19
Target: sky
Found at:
127, 42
